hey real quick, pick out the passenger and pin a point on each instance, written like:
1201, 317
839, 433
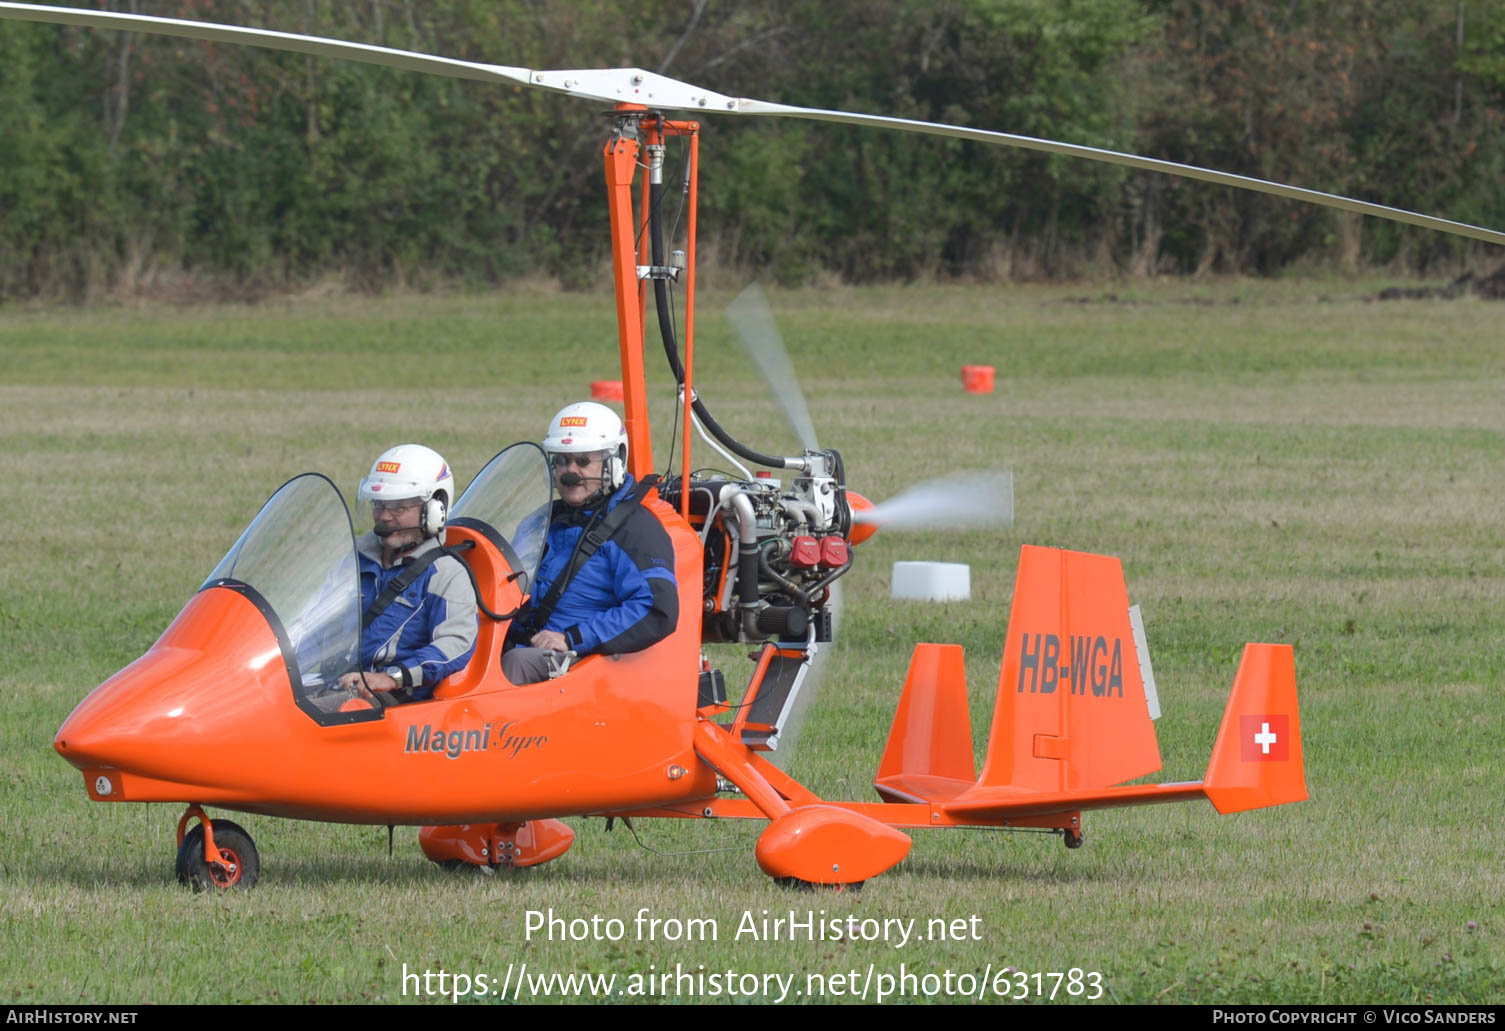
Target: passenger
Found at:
418, 621
622, 597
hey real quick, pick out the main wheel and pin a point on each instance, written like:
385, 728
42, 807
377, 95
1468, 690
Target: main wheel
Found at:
242, 865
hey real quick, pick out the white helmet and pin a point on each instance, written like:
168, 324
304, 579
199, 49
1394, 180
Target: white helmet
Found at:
412, 471
588, 426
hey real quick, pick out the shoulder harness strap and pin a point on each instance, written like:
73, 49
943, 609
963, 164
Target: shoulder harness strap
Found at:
401, 582
590, 542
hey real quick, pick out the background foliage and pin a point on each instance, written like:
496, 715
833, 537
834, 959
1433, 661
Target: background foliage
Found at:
133, 163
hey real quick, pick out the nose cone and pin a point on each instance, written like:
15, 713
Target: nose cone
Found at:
182, 710
862, 528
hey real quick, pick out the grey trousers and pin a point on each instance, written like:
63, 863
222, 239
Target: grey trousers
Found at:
526, 665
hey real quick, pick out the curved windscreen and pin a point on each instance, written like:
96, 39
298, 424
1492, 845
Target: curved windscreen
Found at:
511, 498
298, 556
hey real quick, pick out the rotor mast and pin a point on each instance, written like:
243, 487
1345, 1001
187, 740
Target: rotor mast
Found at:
637, 140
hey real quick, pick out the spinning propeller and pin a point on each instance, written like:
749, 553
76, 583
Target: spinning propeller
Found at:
961, 501
964, 500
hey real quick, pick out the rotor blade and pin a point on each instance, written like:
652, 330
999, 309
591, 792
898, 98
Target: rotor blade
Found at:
634, 85
1114, 157
611, 85
956, 502
753, 321
315, 45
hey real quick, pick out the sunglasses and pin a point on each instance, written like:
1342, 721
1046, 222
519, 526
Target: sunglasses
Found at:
563, 461
395, 506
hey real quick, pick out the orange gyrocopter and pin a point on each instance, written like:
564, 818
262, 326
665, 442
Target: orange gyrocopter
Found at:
235, 706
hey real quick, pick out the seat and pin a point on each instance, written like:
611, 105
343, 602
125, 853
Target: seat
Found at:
499, 593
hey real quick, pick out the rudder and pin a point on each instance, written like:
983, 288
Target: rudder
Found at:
1071, 711
1256, 760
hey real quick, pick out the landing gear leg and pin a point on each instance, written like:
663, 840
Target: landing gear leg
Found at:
215, 854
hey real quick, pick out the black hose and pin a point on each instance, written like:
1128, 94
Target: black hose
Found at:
671, 347
475, 585
747, 577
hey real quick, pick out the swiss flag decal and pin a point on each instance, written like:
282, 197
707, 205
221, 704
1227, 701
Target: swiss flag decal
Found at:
1264, 738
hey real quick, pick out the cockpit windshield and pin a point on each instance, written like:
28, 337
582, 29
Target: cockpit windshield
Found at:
298, 560
510, 499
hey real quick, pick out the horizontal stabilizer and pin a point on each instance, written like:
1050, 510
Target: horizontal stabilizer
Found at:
984, 803
929, 753
1256, 761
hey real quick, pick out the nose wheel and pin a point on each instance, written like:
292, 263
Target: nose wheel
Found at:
224, 858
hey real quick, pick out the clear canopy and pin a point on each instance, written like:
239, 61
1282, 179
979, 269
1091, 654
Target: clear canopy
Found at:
298, 556
510, 497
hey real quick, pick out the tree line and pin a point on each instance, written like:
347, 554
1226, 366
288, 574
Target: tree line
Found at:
128, 159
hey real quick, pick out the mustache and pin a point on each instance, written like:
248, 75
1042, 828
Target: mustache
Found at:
574, 479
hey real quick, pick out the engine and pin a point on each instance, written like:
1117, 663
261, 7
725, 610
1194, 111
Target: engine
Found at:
772, 550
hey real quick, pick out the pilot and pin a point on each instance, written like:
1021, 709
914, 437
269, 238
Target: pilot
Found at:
620, 597
418, 607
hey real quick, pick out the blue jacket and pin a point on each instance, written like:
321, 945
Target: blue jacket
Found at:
429, 629
624, 598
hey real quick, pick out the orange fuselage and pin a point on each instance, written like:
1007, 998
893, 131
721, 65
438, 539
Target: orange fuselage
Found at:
208, 716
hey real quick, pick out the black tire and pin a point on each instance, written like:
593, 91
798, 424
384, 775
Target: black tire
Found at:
234, 844
1070, 838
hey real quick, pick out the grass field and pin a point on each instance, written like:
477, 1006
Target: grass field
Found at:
1280, 461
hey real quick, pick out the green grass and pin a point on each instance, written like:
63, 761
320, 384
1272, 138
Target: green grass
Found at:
1273, 461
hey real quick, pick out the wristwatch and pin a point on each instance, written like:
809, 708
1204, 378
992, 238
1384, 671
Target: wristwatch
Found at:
399, 674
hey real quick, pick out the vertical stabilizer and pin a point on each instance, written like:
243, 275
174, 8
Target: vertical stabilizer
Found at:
1257, 758
929, 753
1071, 711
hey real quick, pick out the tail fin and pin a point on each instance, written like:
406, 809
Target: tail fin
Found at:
1257, 758
1071, 711
929, 753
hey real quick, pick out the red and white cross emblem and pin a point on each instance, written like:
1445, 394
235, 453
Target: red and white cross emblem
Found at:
1264, 738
